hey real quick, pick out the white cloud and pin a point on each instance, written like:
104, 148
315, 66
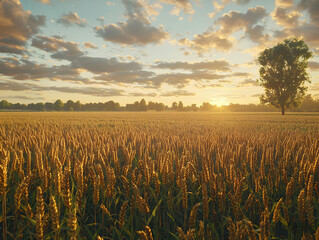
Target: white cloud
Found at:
72, 18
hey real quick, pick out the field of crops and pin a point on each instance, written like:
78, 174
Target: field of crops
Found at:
159, 176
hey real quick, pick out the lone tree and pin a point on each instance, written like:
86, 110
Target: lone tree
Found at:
283, 73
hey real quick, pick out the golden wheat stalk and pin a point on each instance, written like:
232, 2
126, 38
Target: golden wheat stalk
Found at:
104, 210
301, 205
142, 235
96, 190
122, 214
277, 211
205, 201
39, 214
72, 224
149, 233
192, 216
3, 192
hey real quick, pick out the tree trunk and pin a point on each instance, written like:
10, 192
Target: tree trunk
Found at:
282, 110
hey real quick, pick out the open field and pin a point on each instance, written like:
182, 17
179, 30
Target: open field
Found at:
159, 175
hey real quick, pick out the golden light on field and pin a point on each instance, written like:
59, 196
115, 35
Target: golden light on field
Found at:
159, 176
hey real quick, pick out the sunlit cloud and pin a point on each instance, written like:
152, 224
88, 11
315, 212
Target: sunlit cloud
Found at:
177, 93
234, 21
136, 29
220, 65
313, 65
93, 91
229, 23
286, 17
17, 26
179, 5
89, 45
72, 19
248, 83
49, 1
207, 41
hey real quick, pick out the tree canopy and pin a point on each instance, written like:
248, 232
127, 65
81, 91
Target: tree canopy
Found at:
283, 73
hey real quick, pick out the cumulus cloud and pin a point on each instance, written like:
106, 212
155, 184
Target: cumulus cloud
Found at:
239, 2
214, 85
101, 65
140, 94
207, 84
242, 2
152, 9
314, 87
256, 34
240, 74
184, 5
11, 48
59, 48
218, 6
89, 45
229, 23
289, 17
234, 21
177, 93
131, 32
308, 29
312, 7
47, 1
283, 16
248, 83
13, 86
28, 70
181, 80
309, 32
313, 65
92, 91
44, 1
70, 51
138, 76
17, 26
136, 30
54, 44
23, 97
71, 19
208, 40
284, 3
220, 65
22, 70
153, 80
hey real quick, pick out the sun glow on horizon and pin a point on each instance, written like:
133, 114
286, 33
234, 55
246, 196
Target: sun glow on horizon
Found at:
220, 102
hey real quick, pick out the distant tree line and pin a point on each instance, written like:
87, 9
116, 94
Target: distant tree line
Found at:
309, 104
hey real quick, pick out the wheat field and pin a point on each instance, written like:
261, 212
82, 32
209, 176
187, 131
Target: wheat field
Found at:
159, 176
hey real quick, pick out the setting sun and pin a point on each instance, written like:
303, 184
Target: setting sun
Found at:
220, 102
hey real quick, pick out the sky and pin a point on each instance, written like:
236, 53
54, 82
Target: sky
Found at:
163, 51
